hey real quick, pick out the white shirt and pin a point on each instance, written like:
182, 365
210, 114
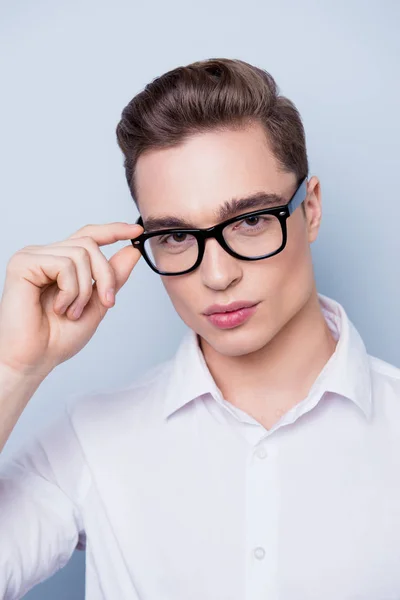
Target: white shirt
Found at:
179, 495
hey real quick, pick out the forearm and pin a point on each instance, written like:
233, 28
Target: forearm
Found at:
16, 390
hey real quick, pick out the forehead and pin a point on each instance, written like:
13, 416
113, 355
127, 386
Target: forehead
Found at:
195, 179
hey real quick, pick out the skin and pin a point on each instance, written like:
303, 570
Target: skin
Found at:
269, 363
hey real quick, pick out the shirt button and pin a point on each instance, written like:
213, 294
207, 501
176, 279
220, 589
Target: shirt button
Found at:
261, 452
259, 552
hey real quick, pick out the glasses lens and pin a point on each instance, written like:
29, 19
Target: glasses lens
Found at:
254, 236
172, 252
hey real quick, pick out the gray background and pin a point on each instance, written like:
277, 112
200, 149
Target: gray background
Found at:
67, 70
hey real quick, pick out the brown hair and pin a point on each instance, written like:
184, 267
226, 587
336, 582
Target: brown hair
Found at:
211, 94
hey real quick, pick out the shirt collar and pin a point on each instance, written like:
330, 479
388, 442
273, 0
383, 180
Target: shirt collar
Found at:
347, 372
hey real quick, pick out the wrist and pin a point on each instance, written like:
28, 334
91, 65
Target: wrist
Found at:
11, 376
16, 389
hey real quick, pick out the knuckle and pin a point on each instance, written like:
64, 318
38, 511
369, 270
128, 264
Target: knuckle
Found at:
12, 263
27, 248
79, 233
86, 227
90, 243
87, 243
82, 252
16, 257
22, 251
68, 262
19, 259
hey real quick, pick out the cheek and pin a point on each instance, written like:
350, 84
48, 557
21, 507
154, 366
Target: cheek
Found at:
182, 292
294, 276
287, 269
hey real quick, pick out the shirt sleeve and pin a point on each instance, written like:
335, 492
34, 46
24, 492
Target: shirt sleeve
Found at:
42, 488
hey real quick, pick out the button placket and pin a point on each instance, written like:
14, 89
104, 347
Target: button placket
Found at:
261, 521
261, 451
259, 552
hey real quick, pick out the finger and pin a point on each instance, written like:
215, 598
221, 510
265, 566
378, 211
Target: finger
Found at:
90, 265
109, 233
41, 270
98, 268
70, 299
123, 263
66, 301
102, 270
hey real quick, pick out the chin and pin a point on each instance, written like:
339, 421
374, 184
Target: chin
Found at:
238, 341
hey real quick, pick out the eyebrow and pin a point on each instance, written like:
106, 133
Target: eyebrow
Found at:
230, 208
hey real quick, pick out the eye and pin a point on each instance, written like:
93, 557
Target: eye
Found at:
254, 218
174, 235
252, 222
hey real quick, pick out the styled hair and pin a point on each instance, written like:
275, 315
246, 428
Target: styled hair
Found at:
212, 94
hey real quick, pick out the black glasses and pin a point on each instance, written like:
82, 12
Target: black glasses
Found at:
179, 251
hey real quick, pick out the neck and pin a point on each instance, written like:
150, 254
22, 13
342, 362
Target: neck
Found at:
268, 382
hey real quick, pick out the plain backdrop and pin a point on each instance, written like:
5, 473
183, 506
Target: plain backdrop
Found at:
68, 68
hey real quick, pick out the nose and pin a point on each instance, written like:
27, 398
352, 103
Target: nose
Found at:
219, 269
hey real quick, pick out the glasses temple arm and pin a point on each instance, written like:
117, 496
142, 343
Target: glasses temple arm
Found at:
299, 196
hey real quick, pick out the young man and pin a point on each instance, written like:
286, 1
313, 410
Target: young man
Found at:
263, 459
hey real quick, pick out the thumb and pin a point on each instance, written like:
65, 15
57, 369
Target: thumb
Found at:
123, 262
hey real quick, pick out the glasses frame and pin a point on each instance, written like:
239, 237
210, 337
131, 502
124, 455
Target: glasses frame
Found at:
282, 212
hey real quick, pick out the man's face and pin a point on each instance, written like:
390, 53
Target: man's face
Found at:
192, 181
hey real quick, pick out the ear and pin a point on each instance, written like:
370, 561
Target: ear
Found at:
313, 208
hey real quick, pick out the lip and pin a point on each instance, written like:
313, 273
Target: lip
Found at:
230, 319
223, 308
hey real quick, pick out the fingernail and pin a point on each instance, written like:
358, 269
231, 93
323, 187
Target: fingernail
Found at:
77, 312
110, 295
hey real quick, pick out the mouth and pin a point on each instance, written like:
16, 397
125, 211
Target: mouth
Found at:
229, 319
220, 309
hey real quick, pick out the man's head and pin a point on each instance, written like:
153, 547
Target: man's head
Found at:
197, 137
